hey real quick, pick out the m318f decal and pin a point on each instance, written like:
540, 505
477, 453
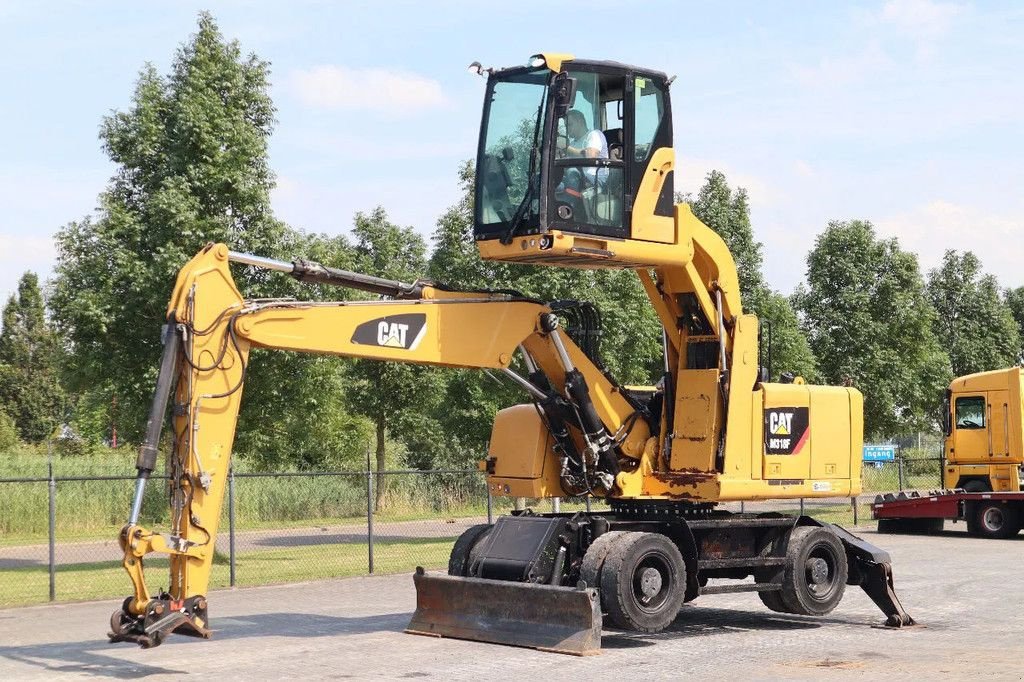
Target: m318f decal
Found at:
785, 430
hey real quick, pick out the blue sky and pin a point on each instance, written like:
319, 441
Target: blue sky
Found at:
908, 112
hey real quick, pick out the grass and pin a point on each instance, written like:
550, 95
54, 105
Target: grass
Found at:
107, 579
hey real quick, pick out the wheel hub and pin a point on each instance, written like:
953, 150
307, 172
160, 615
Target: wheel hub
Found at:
650, 582
993, 518
817, 571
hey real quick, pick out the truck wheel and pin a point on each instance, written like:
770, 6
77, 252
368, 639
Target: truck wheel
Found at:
461, 560
815, 575
593, 559
994, 519
643, 582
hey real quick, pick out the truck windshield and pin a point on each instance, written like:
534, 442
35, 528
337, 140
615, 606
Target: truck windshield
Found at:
510, 139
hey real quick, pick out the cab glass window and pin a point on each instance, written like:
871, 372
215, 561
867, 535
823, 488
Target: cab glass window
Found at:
588, 173
648, 107
970, 413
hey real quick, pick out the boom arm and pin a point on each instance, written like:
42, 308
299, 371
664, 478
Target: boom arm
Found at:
211, 330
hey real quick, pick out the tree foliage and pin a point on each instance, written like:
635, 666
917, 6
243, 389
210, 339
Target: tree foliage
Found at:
30, 354
972, 322
191, 158
1015, 300
870, 325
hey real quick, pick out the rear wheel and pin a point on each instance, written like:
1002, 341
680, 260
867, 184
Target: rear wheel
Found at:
773, 600
815, 575
643, 582
593, 559
462, 557
994, 519
977, 486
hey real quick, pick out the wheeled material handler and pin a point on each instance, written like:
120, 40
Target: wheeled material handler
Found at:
547, 192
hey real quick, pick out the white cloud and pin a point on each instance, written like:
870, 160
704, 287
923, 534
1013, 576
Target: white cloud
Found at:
691, 173
929, 229
832, 72
397, 93
923, 22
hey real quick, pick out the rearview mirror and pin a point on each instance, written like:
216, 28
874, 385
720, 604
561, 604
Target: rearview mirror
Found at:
565, 94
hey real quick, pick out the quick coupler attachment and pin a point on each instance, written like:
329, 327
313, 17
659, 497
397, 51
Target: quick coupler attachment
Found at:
565, 620
161, 617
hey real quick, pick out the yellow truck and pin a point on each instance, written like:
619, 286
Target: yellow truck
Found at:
984, 429
983, 422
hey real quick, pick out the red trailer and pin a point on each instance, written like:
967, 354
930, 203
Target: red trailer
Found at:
988, 514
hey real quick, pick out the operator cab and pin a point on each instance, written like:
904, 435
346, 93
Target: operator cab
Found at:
567, 145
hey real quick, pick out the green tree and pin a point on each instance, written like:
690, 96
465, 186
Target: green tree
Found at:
396, 397
972, 322
727, 212
1015, 300
870, 325
191, 160
30, 356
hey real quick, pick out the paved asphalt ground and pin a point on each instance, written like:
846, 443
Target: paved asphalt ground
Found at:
968, 593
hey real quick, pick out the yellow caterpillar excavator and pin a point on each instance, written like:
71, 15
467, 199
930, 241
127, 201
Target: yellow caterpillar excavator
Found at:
574, 169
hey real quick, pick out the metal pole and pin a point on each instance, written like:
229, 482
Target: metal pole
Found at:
899, 469
853, 500
231, 525
369, 512
556, 505
801, 506
587, 500
743, 507
52, 532
490, 506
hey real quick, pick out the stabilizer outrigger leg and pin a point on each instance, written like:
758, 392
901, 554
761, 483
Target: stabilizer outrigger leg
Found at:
161, 617
870, 567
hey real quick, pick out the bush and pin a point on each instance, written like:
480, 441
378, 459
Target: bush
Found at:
8, 432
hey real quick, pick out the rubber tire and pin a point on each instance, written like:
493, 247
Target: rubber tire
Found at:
462, 555
773, 600
625, 556
796, 593
1011, 520
977, 486
593, 559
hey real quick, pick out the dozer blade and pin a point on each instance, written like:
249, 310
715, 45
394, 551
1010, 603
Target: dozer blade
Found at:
560, 619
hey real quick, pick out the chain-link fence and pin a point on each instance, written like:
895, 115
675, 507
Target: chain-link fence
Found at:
58, 534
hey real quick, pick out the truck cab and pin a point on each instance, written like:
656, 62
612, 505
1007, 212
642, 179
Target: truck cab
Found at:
984, 432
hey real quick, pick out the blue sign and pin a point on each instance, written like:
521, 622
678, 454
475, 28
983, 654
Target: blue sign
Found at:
879, 453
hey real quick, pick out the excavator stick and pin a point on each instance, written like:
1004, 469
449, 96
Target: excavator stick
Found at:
564, 620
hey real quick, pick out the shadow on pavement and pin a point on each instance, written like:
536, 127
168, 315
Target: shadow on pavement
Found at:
82, 658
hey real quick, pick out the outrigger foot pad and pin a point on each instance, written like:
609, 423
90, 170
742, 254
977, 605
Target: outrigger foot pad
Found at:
161, 617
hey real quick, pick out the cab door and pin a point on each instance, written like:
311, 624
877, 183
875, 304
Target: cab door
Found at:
999, 424
970, 428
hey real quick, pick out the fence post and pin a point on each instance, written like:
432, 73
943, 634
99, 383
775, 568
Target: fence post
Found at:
490, 505
801, 506
743, 507
899, 470
369, 512
231, 526
52, 526
556, 505
853, 500
587, 499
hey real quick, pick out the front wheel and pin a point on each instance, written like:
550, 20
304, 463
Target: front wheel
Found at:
463, 556
816, 570
643, 582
